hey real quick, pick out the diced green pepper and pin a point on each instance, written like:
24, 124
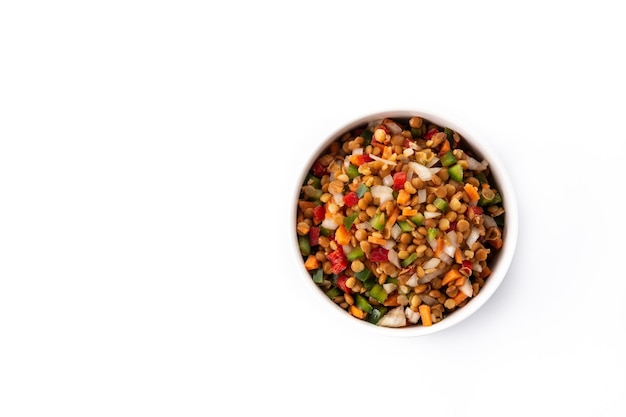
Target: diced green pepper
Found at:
363, 275
378, 293
326, 232
378, 221
362, 303
360, 192
313, 181
391, 280
311, 192
405, 226
318, 276
333, 292
417, 220
352, 171
448, 159
489, 197
449, 132
367, 136
408, 261
456, 172
481, 178
441, 204
432, 233
355, 254
305, 245
376, 313
348, 221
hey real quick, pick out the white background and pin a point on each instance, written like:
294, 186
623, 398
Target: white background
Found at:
148, 151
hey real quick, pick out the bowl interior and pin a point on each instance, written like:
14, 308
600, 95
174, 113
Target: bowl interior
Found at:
499, 263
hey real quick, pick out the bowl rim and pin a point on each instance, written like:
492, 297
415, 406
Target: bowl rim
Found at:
510, 232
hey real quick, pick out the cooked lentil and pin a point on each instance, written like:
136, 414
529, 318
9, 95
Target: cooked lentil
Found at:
409, 202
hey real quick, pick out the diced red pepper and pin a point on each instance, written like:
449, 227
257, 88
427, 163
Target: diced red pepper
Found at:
477, 210
338, 261
407, 143
453, 225
351, 199
319, 213
430, 133
466, 268
319, 170
341, 283
379, 255
383, 127
314, 236
399, 178
359, 160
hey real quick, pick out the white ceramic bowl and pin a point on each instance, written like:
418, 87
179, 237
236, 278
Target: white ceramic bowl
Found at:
499, 265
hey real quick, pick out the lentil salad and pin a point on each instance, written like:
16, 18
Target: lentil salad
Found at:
398, 222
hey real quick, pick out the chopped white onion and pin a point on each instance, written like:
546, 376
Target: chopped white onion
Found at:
388, 180
421, 171
357, 151
393, 127
412, 281
453, 239
382, 192
431, 214
445, 258
338, 199
421, 195
432, 275
449, 250
396, 231
466, 288
329, 224
364, 225
412, 316
393, 257
390, 244
431, 263
432, 162
489, 221
474, 165
394, 318
347, 248
472, 237
389, 287
385, 161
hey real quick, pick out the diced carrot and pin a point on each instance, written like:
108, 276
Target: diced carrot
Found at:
424, 310
472, 192
311, 263
342, 235
392, 300
392, 218
458, 256
357, 312
459, 297
377, 240
445, 147
403, 197
387, 152
460, 281
441, 243
408, 212
451, 275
